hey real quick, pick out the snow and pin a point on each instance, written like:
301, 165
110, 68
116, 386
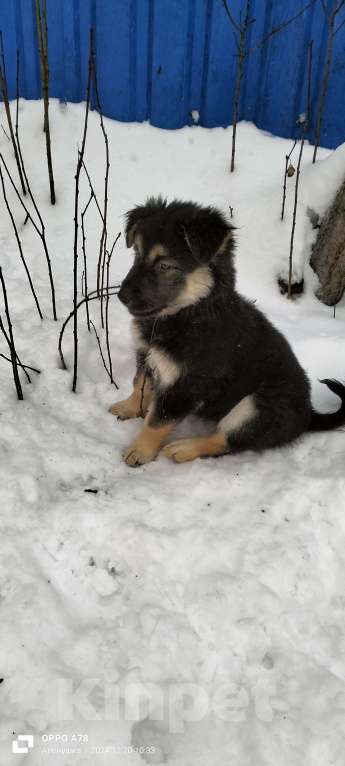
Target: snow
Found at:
215, 588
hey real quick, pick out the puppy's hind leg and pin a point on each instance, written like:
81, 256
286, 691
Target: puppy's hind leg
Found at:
217, 443
137, 403
204, 446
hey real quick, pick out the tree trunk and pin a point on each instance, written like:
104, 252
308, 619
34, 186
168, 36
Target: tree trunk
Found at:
328, 253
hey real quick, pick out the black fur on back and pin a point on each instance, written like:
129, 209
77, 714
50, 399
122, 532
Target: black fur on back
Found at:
224, 347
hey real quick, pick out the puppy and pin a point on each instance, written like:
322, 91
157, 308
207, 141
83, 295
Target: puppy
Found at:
202, 348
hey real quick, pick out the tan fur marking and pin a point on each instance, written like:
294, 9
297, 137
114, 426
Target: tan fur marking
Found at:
189, 449
242, 413
137, 403
157, 251
199, 283
224, 246
148, 444
138, 241
164, 368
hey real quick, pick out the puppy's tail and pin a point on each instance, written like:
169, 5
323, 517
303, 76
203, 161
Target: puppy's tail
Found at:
330, 420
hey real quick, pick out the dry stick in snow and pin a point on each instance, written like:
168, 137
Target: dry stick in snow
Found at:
305, 129
104, 236
17, 115
100, 350
331, 33
90, 297
92, 190
4, 91
76, 223
11, 339
240, 30
280, 27
40, 231
287, 160
107, 312
42, 35
24, 367
19, 244
9, 346
84, 284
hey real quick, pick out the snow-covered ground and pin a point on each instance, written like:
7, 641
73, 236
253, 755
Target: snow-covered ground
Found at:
215, 586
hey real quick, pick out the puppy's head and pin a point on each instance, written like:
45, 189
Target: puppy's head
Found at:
174, 247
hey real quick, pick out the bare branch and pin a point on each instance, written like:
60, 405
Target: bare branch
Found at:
84, 278
42, 34
19, 244
104, 235
92, 190
287, 159
280, 27
76, 221
107, 312
325, 80
230, 16
339, 27
40, 232
4, 91
100, 351
23, 366
305, 128
338, 8
94, 295
11, 339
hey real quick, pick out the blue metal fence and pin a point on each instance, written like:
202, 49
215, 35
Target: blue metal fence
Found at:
161, 60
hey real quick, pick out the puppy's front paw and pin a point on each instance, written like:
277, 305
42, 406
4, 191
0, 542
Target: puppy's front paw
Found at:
138, 454
182, 450
124, 410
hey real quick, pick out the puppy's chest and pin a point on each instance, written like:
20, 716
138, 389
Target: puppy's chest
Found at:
163, 364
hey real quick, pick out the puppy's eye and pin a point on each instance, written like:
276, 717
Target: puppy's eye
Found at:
164, 266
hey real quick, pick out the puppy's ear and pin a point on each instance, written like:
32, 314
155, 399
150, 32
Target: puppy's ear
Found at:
207, 234
135, 216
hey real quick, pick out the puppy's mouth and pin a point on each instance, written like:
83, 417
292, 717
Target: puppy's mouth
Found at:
146, 313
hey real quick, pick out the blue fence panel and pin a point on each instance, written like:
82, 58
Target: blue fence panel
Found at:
166, 60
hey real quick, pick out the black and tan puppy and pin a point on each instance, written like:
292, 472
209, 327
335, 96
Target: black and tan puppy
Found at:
202, 348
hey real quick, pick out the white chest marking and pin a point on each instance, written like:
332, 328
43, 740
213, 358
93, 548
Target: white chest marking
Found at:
165, 370
242, 413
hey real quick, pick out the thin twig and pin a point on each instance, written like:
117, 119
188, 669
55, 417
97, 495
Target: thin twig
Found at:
84, 283
40, 231
339, 27
11, 338
110, 363
100, 350
23, 366
104, 235
92, 190
4, 91
305, 128
42, 34
76, 222
19, 245
241, 42
280, 27
6, 134
330, 19
90, 297
287, 158
6, 336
